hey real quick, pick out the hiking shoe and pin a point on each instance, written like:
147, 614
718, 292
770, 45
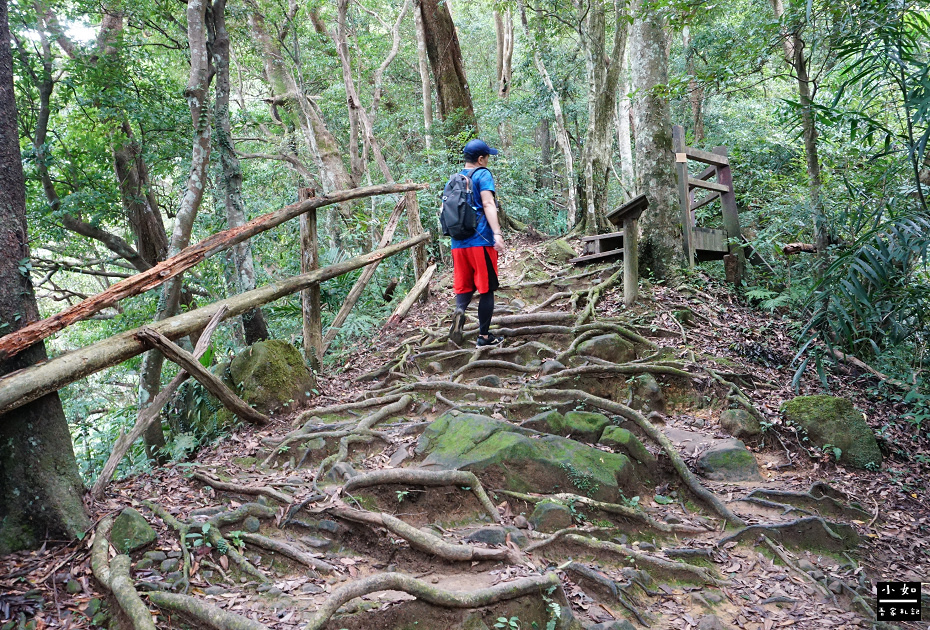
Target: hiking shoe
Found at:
490, 340
458, 323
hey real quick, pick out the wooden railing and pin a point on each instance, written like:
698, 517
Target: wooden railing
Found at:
708, 243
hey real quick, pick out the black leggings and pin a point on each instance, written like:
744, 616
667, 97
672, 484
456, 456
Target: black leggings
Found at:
485, 309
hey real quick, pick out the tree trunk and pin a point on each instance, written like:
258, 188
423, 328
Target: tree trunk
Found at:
624, 144
603, 74
661, 249
40, 488
197, 94
793, 47
445, 58
425, 85
543, 139
138, 199
561, 130
286, 91
695, 90
253, 322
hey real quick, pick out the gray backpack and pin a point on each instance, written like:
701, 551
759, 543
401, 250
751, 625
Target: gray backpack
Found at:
458, 216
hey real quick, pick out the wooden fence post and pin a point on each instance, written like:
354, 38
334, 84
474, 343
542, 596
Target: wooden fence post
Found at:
681, 167
415, 228
735, 261
630, 260
310, 304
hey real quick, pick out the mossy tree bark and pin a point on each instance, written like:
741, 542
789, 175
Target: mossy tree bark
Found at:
603, 69
661, 248
40, 490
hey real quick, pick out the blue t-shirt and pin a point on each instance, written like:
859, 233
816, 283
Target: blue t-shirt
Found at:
481, 179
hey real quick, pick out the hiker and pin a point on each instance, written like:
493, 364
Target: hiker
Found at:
474, 259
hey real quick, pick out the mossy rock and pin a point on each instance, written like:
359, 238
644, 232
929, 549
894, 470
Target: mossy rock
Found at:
131, 531
627, 443
272, 376
610, 347
523, 459
558, 250
581, 425
834, 421
729, 461
549, 516
739, 423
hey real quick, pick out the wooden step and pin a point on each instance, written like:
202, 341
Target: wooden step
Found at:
580, 260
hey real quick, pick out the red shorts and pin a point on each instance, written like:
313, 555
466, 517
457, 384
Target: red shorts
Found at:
474, 269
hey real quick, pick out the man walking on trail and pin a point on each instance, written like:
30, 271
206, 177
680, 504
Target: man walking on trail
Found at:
474, 259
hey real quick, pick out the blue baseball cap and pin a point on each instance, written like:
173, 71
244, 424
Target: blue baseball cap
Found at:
477, 148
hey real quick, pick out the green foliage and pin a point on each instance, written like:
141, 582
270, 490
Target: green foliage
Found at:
583, 482
503, 623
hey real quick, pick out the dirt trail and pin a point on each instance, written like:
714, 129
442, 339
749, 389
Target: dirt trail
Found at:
362, 514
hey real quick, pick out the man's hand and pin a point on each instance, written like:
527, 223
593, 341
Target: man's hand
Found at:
498, 242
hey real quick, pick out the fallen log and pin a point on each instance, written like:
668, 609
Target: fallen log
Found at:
151, 413
405, 305
205, 377
24, 386
34, 332
790, 249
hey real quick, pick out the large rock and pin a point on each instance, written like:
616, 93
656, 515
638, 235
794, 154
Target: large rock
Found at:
624, 441
729, 460
271, 376
611, 347
739, 423
524, 460
581, 425
131, 531
549, 516
834, 421
558, 250
646, 393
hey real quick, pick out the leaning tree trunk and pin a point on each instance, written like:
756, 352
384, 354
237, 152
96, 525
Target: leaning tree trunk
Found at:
661, 249
445, 58
40, 488
425, 85
198, 95
695, 89
793, 47
561, 130
253, 322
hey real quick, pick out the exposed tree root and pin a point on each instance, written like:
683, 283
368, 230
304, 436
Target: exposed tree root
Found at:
361, 404
216, 484
536, 585
736, 395
556, 536
422, 477
607, 405
784, 557
610, 508
680, 570
114, 576
573, 346
491, 364
552, 299
206, 613
616, 590
823, 504
593, 296
620, 368
810, 531
182, 528
286, 549
421, 540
